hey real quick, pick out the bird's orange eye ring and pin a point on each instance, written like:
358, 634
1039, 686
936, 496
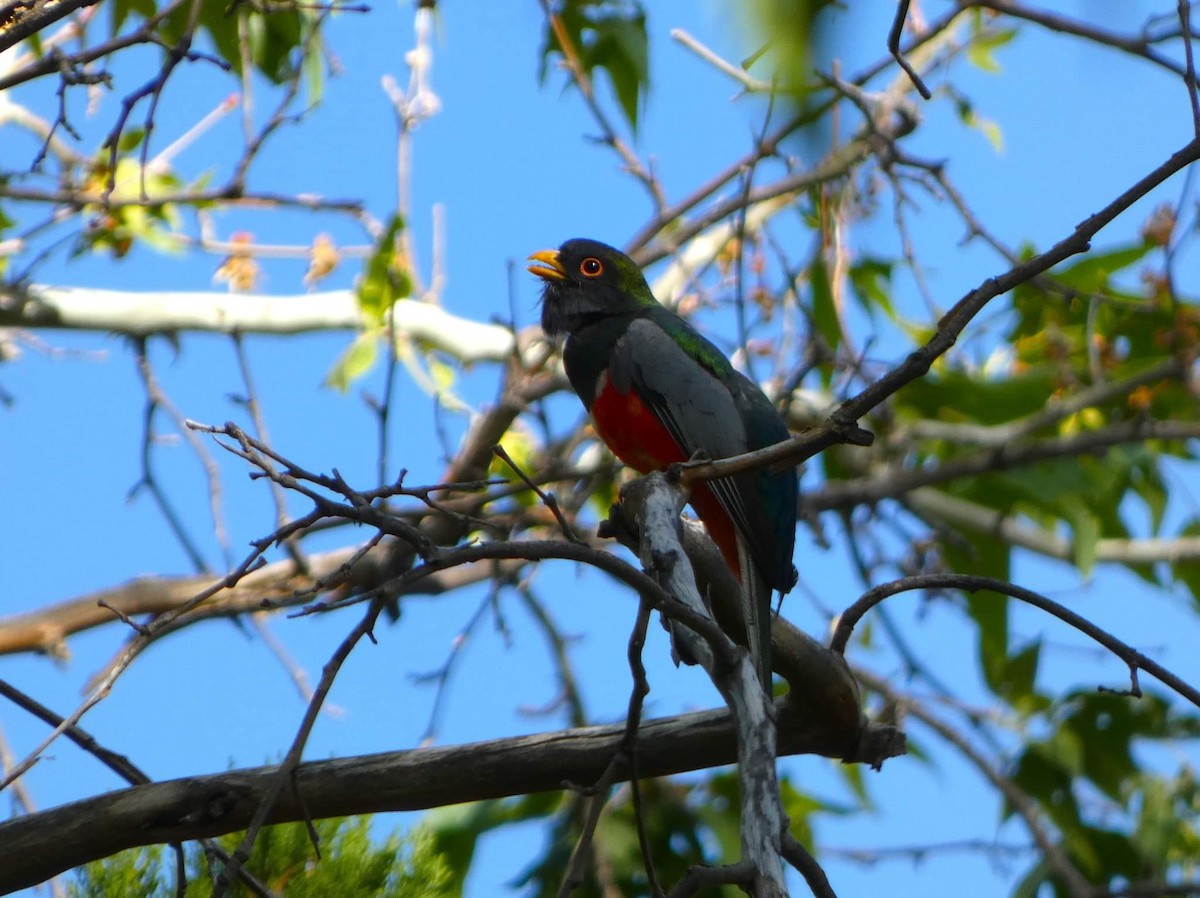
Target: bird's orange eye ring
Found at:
591, 267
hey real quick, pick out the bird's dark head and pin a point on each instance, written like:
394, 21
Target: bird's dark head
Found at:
585, 281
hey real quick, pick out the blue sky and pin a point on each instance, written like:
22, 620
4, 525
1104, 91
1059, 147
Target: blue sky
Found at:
512, 165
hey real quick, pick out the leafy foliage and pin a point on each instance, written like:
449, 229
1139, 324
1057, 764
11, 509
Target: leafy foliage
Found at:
278, 34
607, 36
1085, 774
1082, 328
385, 279
283, 859
791, 31
685, 824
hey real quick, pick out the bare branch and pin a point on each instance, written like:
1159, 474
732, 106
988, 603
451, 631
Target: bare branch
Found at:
967, 515
26, 18
1055, 856
893, 43
733, 673
1137, 46
151, 312
37, 847
1132, 657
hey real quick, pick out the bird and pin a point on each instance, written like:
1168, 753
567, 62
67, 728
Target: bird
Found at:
659, 393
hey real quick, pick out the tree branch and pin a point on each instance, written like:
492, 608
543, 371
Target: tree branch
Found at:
732, 672
964, 514
155, 312
842, 426
36, 847
970, 583
36, 17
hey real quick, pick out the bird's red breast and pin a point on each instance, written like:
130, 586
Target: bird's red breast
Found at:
639, 439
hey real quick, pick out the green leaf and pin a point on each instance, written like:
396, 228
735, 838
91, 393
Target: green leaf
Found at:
355, 361
350, 866
1149, 486
1188, 572
443, 375
1019, 676
1085, 529
313, 65
456, 829
870, 284
1031, 883
990, 129
1047, 779
977, 553
276, 34
131, 139
1105, 726
273, 39
852, 775
1091, 274
382, 282
122, 9
1166, 832
1102, 854
607, 35
792, 30
825, 314
960, 397
128, 873
981, 50
990, 612
621, 49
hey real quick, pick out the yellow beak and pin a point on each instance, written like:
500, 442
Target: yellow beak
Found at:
550, 268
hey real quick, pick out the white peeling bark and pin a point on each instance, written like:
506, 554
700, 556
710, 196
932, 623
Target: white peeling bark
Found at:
141, 313
762, 820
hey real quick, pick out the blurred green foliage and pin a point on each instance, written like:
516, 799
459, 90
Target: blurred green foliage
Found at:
284, 860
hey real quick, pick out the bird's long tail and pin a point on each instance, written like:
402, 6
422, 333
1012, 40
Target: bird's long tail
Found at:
756, 612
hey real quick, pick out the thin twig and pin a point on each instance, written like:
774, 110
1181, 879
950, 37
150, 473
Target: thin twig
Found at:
893, 45
441, 677
287, 768
843, 427
571, 57
548, 499
156, 399
801, 858
740, 75
254, 408
1189, 78
1132, 657
1021, 803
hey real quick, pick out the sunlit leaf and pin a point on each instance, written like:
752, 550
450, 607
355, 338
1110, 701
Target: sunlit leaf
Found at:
982, 48
381, 283
1092, 272
358, 358
1086, 533
790, 30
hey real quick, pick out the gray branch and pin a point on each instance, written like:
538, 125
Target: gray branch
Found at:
663, 557
36, 847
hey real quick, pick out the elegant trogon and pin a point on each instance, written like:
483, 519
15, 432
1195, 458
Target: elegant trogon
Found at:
658, 393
